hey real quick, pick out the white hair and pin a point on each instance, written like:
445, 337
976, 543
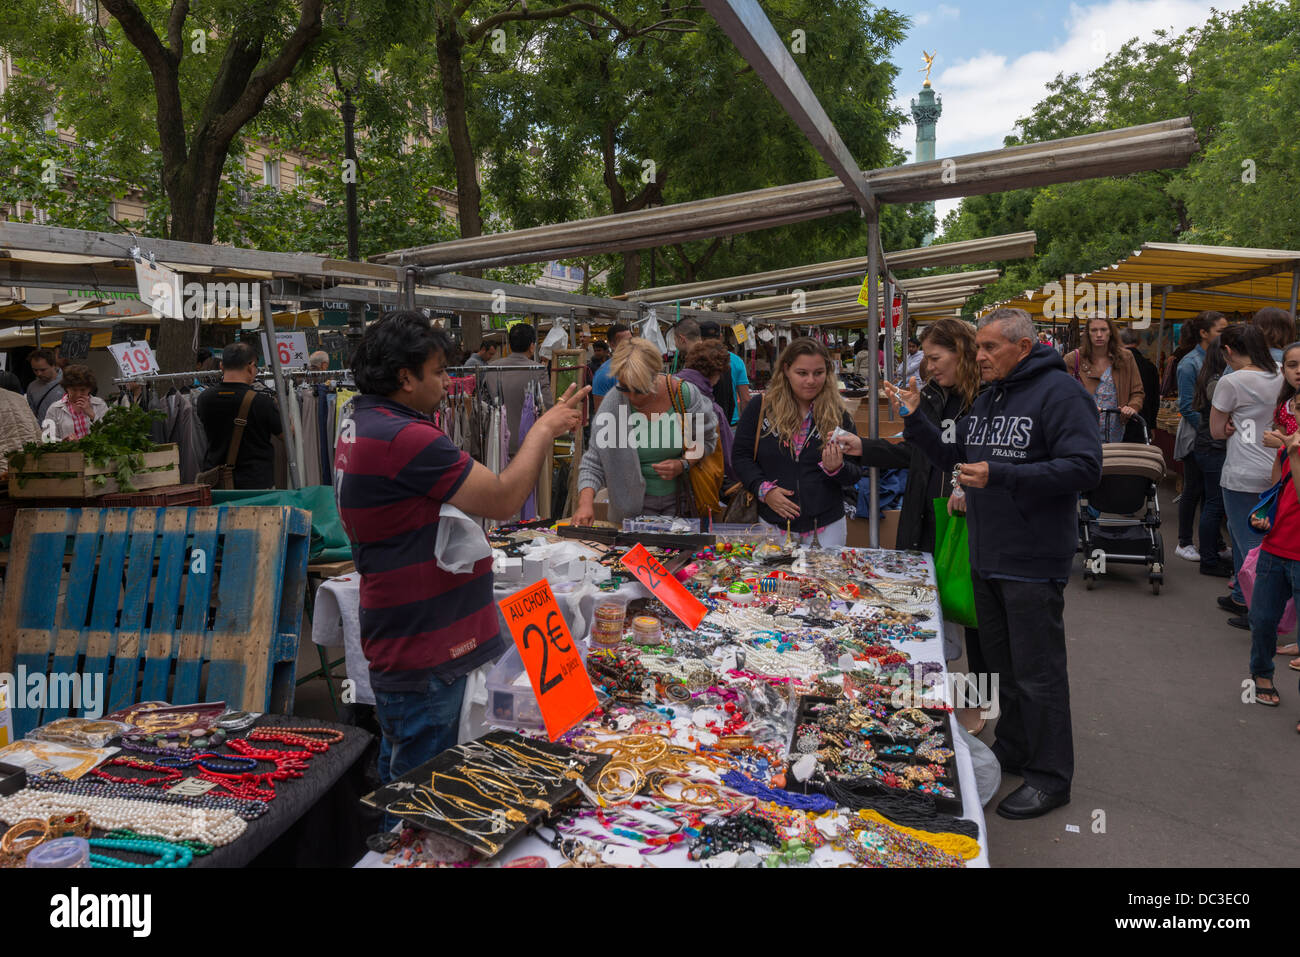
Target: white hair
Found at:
1014, 324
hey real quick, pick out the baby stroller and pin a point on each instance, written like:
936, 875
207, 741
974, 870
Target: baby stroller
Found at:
1130, 474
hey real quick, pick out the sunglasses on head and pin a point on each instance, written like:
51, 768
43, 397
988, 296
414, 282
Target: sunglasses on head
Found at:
629, 391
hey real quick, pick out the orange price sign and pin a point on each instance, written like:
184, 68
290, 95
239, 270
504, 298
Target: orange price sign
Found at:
555, 668
651, 573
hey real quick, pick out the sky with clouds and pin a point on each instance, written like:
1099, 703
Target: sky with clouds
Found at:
994, 58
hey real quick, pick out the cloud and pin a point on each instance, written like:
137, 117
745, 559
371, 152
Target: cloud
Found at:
984, 94
943, 12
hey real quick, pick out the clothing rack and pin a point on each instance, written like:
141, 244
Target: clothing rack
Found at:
341, 374
207, 376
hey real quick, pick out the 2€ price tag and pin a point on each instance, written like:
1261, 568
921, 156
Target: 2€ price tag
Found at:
134, 358
649, 572
564, 692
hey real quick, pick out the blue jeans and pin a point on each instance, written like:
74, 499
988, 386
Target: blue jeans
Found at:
1237, 506
1276, 581
417, 725
1211, 465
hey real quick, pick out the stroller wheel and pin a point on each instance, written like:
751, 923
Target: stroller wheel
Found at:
1155, 586
1088, 580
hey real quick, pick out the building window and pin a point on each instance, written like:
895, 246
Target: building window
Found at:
271, 173
557, 270
88, 10
575, 272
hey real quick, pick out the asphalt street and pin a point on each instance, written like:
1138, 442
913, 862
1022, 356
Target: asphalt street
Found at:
1172, 769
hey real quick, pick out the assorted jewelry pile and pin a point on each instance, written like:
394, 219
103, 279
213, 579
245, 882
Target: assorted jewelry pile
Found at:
168, 795
704, 729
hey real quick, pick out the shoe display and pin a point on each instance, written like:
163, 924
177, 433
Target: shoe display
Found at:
1188, 553
1027, 802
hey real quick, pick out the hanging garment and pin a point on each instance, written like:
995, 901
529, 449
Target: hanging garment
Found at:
324, 438
305, 396
527, 416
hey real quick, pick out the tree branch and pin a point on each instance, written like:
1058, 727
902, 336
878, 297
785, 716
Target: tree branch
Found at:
176, 28
476, 33
162, 64
274, 73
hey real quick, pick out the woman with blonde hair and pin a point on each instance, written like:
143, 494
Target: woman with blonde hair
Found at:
784, 453
649, 430
1110, 374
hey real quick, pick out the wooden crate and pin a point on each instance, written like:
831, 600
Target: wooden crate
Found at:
39, 482
218, 620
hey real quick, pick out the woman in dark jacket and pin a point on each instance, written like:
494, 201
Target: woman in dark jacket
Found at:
949, 347
954, 382
796, 472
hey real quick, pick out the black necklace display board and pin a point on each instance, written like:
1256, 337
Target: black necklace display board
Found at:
486, 792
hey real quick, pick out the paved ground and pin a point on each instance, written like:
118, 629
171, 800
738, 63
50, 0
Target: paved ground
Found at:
1185, 773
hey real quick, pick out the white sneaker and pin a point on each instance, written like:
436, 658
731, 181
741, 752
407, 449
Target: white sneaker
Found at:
1188, 553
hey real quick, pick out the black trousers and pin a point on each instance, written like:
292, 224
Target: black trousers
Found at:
1193, 495
1022, 637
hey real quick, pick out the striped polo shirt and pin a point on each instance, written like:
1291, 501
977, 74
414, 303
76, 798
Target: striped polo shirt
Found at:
393, 470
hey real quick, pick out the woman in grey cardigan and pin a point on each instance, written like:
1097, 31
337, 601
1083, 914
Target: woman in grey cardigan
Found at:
648, 431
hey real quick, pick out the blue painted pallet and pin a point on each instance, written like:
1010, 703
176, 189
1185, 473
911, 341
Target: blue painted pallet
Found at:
119, 605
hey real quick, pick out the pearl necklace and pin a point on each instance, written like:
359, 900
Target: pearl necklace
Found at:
213, 827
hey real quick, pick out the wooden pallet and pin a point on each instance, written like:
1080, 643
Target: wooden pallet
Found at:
168, 604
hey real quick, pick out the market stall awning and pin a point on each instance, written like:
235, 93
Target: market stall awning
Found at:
1191, 279
1163, 145
968, 252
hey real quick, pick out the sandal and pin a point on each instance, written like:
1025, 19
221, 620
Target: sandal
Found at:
1294, 664
1268, 697
1291, 649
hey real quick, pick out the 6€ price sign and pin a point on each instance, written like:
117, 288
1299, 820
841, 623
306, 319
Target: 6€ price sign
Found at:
564, 692
134, 358
649, 572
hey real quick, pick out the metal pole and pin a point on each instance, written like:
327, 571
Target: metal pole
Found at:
36, 327
873, 368
1295, 290
1160, 334
887, 321
408, 288
281, 391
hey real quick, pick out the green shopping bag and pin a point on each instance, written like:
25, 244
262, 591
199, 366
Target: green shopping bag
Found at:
952, 565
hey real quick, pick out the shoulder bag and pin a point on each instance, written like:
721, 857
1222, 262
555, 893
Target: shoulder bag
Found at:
742, 505
223, 476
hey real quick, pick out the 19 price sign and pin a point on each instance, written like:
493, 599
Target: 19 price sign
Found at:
134, 358
555, 668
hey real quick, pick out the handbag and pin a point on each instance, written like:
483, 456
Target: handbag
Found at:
1265, 510
952, 566
742, 504
705, 476
223, 476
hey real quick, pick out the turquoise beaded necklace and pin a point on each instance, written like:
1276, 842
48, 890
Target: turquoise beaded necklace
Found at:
169, 855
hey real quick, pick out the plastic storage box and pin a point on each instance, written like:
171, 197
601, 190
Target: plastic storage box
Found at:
511, 705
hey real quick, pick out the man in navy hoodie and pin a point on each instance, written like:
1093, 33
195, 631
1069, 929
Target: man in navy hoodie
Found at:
1030, 445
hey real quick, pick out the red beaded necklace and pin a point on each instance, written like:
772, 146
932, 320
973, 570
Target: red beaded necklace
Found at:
166, 775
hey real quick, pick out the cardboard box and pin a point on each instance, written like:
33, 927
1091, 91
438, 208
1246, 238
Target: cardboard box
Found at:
860, 531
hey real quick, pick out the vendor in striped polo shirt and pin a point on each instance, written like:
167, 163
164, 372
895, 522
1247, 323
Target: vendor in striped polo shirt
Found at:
422, 629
